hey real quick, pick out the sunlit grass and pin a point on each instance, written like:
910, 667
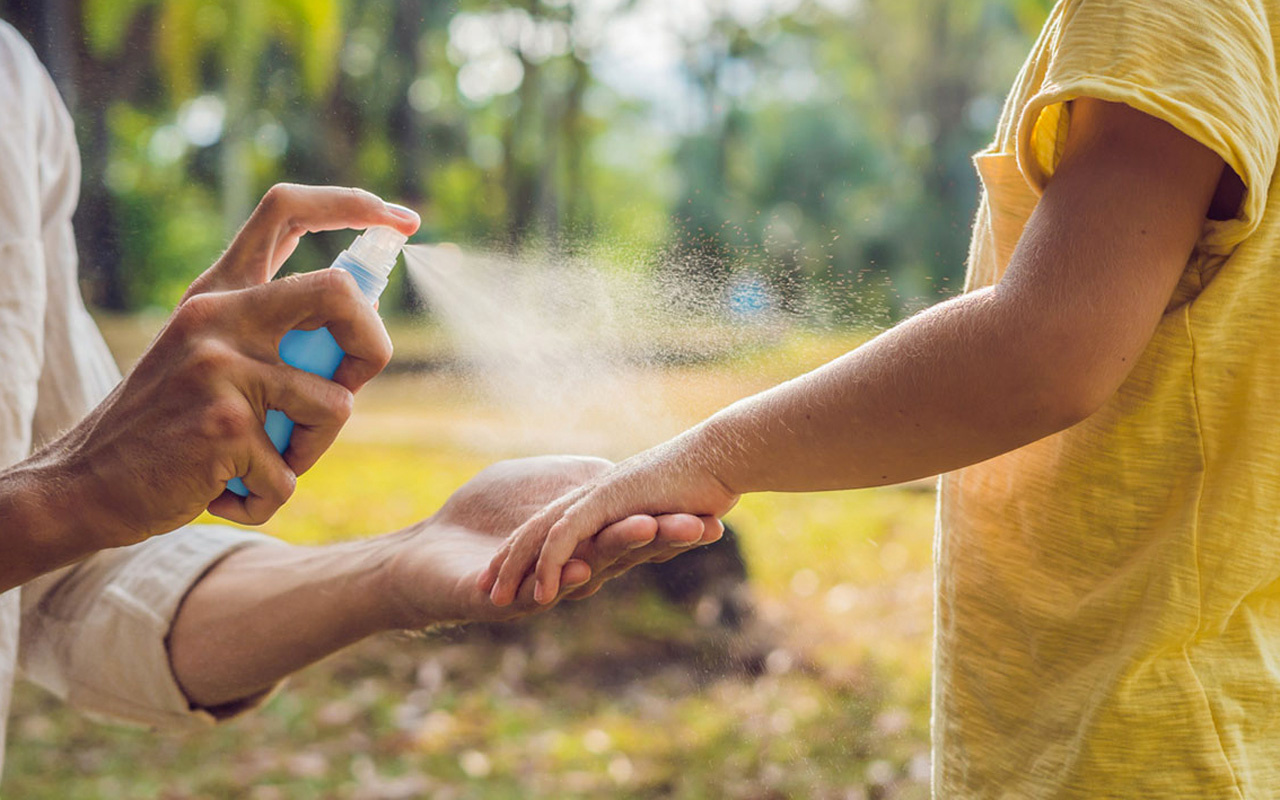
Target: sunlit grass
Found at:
624, 696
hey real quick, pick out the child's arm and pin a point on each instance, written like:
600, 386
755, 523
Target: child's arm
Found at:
967, 380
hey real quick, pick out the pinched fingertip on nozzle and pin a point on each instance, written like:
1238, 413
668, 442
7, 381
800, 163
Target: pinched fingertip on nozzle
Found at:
378, 247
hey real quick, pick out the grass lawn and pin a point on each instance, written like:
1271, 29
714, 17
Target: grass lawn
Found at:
822, 694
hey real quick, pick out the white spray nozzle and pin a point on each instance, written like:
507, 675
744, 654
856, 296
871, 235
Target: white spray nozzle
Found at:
377, 249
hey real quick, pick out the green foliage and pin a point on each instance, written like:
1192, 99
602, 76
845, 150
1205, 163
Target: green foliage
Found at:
107, 22
314, 30
236, 33
824, 148
164, 220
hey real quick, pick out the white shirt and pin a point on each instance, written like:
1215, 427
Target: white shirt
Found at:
93, 633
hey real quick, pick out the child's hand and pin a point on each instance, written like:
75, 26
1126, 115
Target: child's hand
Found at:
660, 481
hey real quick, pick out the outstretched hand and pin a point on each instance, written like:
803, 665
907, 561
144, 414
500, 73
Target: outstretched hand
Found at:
660, 481
437, 564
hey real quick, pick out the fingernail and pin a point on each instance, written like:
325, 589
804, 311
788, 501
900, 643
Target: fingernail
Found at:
637, 545
402, 211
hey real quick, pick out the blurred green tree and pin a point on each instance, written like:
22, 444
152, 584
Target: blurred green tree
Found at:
819, 146
226, 39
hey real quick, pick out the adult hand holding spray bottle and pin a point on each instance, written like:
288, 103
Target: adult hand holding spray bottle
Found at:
369, 260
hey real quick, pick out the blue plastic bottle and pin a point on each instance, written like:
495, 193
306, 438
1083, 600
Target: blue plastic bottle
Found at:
370, 260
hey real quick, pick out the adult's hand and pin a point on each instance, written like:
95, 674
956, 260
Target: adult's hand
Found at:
435, 570
160, 449
264, 612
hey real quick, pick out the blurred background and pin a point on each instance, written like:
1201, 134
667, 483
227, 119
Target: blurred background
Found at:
807, 157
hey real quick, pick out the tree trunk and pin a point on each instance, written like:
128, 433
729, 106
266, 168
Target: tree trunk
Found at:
236, 167
577, 199
406, 128
520, 178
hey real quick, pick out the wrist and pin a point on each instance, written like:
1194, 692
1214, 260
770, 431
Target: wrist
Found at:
41, 509
423, 584
82, 487
711, 449
371, 591
384, 585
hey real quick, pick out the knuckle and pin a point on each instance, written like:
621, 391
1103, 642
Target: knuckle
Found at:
341, 403
263, 512
279, 205
339, 289
294, 281
209, 358
383, 351
286, 485
345, 285
225, 421
276, 197
368, 200
278, 489
195, 313
204, 283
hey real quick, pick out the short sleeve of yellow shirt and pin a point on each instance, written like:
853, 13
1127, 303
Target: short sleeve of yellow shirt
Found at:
1108, 598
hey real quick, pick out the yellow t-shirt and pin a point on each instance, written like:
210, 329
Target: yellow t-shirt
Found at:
1108, 598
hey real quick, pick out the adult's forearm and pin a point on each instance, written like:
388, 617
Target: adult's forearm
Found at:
269, 610
42, 527
953, 386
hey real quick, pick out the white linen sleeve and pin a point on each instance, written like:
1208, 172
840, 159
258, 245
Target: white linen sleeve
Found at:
95, 634
22, 262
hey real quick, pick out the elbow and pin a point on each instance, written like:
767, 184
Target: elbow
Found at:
1068, 371
1066, 398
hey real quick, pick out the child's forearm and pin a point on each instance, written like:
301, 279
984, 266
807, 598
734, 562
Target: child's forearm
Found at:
963, 382
1074, 309
960, 383
985, 373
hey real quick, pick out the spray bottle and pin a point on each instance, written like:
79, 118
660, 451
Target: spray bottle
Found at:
370, 260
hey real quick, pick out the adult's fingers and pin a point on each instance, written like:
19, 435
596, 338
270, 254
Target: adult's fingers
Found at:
318, 407
576, 573
614, 550
267, 477
676, 534
673, 534
712, 530
285, 214
639, 538
617, 540
679, 530
327, 298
